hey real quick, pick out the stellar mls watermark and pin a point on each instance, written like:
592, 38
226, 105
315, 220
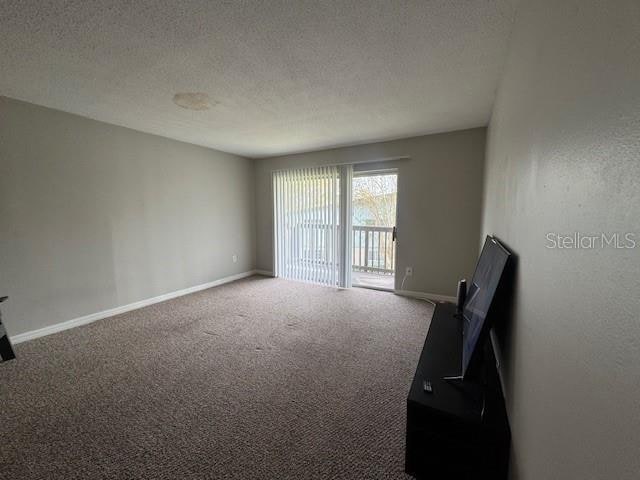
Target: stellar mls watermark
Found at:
581, 241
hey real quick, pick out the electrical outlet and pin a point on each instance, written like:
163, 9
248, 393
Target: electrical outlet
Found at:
409, 271
234, 258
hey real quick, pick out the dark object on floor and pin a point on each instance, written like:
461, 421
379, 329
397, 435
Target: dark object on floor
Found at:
460, 430
6, 351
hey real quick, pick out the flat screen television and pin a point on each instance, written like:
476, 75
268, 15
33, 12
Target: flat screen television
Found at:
480, 294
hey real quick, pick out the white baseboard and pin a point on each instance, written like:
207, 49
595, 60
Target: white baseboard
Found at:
426, 296
76, 322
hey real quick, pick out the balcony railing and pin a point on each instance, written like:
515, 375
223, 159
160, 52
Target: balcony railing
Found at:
374, 250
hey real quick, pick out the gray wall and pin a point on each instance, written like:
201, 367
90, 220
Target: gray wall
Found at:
564, 156
94, 216
439, 203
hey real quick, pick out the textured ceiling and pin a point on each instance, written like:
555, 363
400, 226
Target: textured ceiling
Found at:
282, 76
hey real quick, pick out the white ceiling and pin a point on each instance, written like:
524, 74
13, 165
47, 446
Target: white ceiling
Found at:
283, 76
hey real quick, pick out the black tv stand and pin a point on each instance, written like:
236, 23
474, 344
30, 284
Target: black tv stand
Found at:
460, 429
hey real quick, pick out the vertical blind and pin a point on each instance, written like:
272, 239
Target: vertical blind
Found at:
308, 241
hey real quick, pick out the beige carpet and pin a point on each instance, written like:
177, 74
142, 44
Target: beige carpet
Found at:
261, 378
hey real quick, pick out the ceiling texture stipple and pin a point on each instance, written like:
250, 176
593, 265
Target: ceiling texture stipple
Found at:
286, 76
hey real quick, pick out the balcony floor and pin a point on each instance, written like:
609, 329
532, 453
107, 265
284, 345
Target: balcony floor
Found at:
372, 280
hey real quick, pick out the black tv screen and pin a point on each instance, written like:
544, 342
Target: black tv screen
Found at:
480, 293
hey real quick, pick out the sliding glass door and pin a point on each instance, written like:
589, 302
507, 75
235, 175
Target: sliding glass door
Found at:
311, 222
375, 194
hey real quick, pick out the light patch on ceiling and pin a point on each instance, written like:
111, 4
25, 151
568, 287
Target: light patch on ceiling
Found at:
192, 100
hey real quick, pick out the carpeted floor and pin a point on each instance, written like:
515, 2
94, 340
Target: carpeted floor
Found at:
262, 378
